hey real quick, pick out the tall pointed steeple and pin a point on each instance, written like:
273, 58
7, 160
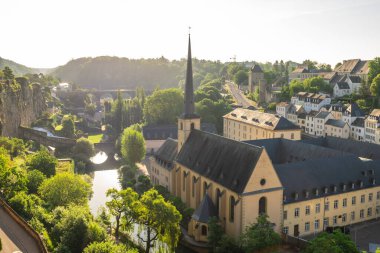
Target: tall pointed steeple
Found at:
189, 111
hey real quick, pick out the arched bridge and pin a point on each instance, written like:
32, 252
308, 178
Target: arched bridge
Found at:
44, 139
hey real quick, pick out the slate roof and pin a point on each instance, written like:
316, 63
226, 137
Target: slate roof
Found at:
354, 110
358, 122
348, 66
261, 119
322, 115
300, 70
282, 151
335, 123
343, 86
321, 173
228, 162
162, 132
355, 79
256, 69
205, 210
358, 148
168, 151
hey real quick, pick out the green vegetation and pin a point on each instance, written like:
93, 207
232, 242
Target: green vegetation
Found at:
96, 138
108, 247
313, 84
17, 68
84, 148
44, 162
132, 146
65, 166
375, 86
35, 179
374, 69
68, 127
335, 242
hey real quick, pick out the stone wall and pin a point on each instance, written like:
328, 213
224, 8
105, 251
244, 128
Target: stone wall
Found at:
19, 105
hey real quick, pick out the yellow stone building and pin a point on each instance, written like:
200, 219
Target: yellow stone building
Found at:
303, 187
245, 124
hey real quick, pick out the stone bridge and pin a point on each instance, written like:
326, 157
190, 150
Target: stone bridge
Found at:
106, 147
44, 139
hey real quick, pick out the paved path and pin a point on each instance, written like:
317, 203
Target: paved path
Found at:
238, 95
14, 237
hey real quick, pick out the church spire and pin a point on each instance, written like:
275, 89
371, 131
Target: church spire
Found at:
189, 111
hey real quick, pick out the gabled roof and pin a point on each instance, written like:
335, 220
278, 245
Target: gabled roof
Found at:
355, 79
300, 70
336, 123
256, 69
168, 151
322, 115
343, 85
228, 162
205, 210
354, 110
375, 112
358, 122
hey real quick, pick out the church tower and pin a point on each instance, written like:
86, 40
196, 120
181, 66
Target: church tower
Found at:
188, 120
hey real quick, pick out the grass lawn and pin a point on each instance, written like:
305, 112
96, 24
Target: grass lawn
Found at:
65, 166
95, 138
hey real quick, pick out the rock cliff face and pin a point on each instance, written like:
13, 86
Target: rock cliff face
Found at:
20, 104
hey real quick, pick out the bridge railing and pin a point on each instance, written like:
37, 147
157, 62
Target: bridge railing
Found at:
37, 238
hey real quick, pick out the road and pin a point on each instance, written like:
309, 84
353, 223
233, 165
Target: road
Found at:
238, 95
14, 237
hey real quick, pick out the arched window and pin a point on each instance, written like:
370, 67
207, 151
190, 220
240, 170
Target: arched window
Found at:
193, 187
204, 188
184, 181
192, 126
232, 209
217, 201
263, 205
204, 230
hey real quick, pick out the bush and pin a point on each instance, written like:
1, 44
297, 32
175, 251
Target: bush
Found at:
44, 162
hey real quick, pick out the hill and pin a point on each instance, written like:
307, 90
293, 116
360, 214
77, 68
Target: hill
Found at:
107, 72
18, 69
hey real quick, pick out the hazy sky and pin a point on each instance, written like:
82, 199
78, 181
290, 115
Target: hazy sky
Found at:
47, 33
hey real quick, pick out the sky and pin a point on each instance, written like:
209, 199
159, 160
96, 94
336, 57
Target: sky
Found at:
49, 33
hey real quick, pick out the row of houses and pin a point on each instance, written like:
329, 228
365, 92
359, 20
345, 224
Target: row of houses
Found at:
346, 79
316, 116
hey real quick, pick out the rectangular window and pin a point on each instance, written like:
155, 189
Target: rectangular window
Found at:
326, 222
354, 200
361, 213
317, 208
296, 212
335, 220
307, 210
362, 198
327, 206
316, 224
344, 202
335, 204
352, 216
370, 197
344, 217
285, 230
285, 215
378, 195
369, 212
307, 226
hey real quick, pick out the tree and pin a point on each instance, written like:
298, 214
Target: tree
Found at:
68, 126
143, 184
206, 91
8, 73
163, 106
310, 64
374, 69
295, 86
95, 232
335, 242
241, 77
44, 162
25, 204
213, 111
121, 204
215, 233
35, 179
65, 189
150, 211
132, 146
84, 147
259, 235
228, 244
375, 86
117, 111
108, 247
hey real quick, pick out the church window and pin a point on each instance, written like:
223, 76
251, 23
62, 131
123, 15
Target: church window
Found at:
263, 205
232, 209
204, 230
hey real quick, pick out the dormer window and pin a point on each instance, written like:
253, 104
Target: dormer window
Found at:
316, 192
344, 187
326, 190
306, 194
353, 186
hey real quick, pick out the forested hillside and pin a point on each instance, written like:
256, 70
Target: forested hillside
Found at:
17, 69
113, 72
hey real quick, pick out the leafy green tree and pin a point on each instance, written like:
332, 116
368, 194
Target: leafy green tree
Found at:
8, 73
374, 69
375, 86
207, 91
241, 77
25, 204
215, 233
132, 146
143, 184
335, 242
44, 162
310, 64
35, 179
295, 86
163, 106
108, 247
228, 244
150, 211
259, 235
65, 189
213, 111
70, 228
95, 232
68, 126
84, 147
121, 204
117, 112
